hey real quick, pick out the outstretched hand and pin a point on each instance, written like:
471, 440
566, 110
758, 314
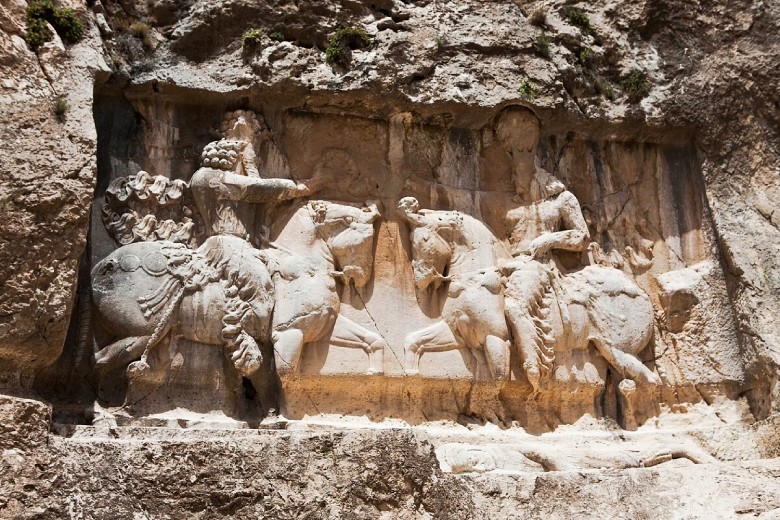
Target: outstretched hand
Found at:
319, 181
541, 245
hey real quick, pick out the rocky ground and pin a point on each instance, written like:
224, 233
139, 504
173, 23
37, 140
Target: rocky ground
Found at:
152, 473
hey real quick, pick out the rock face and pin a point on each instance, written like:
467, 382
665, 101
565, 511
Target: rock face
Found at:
47, 185
549, 218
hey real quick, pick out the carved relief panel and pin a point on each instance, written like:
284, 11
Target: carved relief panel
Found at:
361, 265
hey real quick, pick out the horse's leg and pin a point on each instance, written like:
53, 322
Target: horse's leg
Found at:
524, 335
625, 363
434, 338
497, 357
119, 353
288, 346
347, 333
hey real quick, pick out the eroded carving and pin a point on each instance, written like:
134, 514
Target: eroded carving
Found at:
144, 207
320, 243
595, 304
269, 264
226, 291
473, 313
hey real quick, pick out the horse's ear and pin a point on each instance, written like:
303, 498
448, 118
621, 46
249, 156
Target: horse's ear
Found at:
373, 207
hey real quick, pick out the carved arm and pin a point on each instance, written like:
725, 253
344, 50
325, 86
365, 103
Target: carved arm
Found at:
252, 189
576, 238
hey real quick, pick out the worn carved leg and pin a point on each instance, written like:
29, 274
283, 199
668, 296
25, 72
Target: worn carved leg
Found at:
288, 346
376, 357
434, 338
497, 356
525, 337
626, 364
347, 333
119, 353
247, 357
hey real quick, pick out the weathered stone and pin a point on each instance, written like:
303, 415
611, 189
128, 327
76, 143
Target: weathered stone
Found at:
450, 224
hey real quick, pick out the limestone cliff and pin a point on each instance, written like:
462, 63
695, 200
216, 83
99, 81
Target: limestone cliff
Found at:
662, 117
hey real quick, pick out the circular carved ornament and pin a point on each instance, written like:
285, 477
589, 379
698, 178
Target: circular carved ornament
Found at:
129, 263
155, 263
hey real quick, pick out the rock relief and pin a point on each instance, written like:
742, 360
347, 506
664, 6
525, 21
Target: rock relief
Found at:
274, 273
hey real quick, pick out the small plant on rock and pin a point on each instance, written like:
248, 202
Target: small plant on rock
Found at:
604, 88
60, 107
277, 36
67, 24
539, 17
542, 46
64, 20
143, 32
635, 85
37, 33
251, 39
583, 56
578, 18
343, 41
612, 56
527, 89
441, 41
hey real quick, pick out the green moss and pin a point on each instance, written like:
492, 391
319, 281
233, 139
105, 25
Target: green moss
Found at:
343, 41
636, 85
277, 36
542, 46
251, 39
578, 18
64, 20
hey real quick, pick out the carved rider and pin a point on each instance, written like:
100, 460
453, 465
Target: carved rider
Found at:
548, 217
228, 191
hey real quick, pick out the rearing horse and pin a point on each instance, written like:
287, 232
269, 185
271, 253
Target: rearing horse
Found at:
473, 313
319, 243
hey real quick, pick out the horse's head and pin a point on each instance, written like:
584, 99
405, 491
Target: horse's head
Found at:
124, 276
348, 232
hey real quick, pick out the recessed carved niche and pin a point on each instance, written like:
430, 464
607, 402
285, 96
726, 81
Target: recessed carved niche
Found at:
255, 257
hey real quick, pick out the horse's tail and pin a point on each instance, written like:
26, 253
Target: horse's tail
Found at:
163, 323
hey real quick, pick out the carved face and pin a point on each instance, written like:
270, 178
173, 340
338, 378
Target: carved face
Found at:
349, 233
517, 130
242, 125
241, 130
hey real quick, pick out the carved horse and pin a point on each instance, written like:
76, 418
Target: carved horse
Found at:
139, 299
320, 243
127, 282
602, 306
596, 305
473, 313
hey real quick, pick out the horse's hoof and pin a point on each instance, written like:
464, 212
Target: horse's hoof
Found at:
137, 369
533, 375
627, 387
372, 372
412, 372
